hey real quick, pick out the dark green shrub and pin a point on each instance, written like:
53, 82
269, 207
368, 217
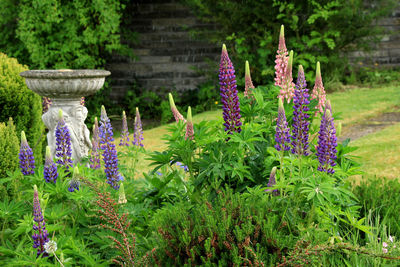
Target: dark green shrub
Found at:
234, 230
314, 30
9, 147
20, 103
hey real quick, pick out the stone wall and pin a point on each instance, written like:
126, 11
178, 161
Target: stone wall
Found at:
168, 56
387, 52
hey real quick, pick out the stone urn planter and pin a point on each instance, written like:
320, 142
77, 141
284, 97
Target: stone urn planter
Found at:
66, 88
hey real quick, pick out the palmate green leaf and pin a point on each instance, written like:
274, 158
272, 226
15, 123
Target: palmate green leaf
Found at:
24, 226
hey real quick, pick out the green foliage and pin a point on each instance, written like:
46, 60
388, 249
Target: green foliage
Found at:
315, 30
20, 103
380, 196
9, 147
69, 34
222, 232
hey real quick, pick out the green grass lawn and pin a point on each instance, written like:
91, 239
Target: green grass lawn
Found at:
379, 152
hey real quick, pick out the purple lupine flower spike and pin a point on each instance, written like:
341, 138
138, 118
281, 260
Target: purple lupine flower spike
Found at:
281, 59
40, 237
109, 152
319, 90
138, 131
95, 153
63, 143
125, 132
248, 85
327, 143
177, 115
26, 159
229, 94
282, 135
189, 126
74, 182
50, 169
300, 125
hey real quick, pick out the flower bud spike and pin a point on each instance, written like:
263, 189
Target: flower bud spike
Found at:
248, 83
177, 115
189, 125
23, 137
319, 90
282, 45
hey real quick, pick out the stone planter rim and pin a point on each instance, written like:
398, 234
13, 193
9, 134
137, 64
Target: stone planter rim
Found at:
64, 74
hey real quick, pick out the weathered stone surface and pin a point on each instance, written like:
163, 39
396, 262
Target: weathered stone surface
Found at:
65, 88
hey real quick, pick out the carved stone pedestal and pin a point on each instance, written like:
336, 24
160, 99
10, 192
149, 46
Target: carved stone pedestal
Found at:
65, 88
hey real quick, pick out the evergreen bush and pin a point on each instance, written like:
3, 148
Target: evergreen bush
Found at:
20, 103
9, 147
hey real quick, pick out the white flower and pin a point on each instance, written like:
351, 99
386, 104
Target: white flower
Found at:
391, 238
318, 191
50, 247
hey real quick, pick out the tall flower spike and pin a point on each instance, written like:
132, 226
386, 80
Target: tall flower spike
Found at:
282, 135
319, 90
125, 132
74, 182
177, 115
189, 125
281, 59
248, 83
26, 159
287, 87
138, 131
50, 169
40, 236
300, 125
63, 143
327, 143
229, 94
95, 153
109, 152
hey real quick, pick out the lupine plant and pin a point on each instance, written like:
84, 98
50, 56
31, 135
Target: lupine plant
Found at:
189, 125
287, 86
327, 143
63, 143
26, 160
300, 125
40, 236
50, 168
95, 153
109, 152
177, 115
248, 83
318, 91
124, 141
138, 130
229, 94
281, 59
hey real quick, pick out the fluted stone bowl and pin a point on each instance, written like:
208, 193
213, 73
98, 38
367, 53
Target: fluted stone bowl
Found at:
65, 84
